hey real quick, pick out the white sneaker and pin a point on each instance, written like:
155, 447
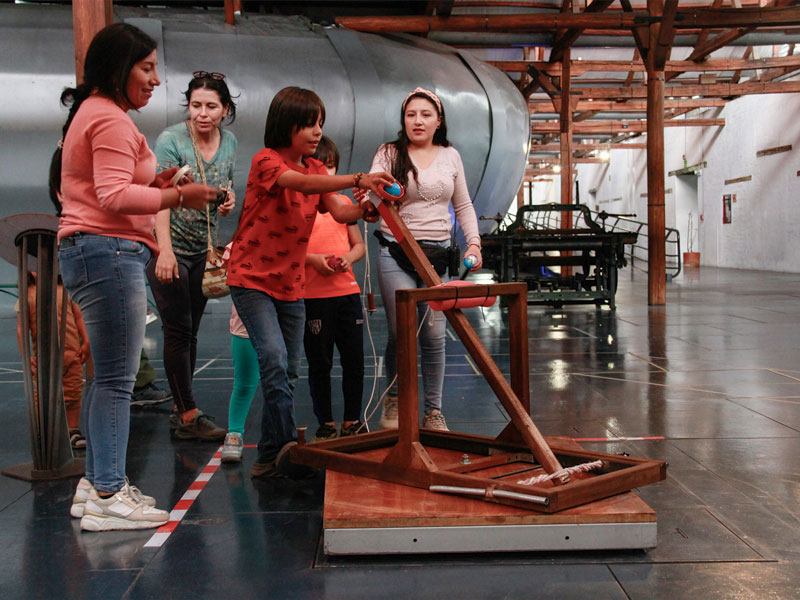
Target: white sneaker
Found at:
79, 499
435, 420
123, 510
232, 448
389, 415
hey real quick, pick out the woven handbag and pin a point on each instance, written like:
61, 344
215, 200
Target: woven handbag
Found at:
215, 275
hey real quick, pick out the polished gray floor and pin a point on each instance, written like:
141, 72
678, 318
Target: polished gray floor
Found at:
716, 373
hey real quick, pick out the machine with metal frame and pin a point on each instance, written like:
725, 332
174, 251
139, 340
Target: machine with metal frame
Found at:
559, 265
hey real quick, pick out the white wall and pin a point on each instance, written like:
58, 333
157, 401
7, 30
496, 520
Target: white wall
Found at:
765, 232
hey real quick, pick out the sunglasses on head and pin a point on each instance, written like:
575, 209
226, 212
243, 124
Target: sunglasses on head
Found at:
211, 75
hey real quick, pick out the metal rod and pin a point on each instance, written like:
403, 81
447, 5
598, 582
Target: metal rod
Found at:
524, 497
453, 489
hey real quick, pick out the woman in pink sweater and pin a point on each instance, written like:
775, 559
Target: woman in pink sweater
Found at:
105, 175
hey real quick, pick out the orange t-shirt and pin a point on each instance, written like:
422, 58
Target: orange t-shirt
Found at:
329, 237
269, 248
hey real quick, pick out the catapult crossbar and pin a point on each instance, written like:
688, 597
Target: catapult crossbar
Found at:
474, 466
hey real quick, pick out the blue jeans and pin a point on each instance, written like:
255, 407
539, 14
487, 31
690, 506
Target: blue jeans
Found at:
105, 277
275, 328
431, 336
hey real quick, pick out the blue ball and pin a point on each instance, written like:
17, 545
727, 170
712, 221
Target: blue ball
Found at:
470, 260
393, 190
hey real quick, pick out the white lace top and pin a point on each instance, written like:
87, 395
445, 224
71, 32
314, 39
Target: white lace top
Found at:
426, 209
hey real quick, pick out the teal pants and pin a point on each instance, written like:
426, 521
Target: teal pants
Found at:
245, 382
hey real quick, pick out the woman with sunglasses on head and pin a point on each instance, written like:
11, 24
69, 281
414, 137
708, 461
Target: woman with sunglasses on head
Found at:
431, 171
105, 175
176, 276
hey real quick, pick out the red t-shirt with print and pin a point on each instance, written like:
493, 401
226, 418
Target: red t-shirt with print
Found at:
270, 245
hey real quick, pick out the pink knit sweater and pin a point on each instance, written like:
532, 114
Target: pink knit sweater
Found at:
106, 172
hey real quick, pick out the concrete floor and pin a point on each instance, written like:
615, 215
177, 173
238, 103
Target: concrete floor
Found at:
715, 372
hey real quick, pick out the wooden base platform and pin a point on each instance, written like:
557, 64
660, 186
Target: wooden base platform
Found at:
368, 516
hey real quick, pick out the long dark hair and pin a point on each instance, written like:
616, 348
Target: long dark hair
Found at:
397, 150
215, 85
111, 56
291, 109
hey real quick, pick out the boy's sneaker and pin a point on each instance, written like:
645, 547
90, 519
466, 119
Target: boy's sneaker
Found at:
232, 449
148, 395
285, 466
85, 487
389, 414
123, 510
325, 432
435, 420
265, 470
354, 428
202, 427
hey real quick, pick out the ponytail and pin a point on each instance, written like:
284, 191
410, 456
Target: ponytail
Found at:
72, 97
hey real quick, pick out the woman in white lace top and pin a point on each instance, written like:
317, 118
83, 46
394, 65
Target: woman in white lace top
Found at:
431, 171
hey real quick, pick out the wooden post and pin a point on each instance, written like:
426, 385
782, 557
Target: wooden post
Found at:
656, 233
566, 149
88, 17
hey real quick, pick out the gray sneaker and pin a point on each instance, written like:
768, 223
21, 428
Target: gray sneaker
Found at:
123, 510
389, 414
232, 449
202, 427
148, 395
435, 420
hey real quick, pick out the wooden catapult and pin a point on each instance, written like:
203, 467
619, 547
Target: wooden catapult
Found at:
490, 468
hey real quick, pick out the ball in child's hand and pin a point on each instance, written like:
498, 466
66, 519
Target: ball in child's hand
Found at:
334, 262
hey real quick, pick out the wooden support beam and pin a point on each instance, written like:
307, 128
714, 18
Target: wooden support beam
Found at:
576, 147
532, 160
666, 34
656, 224
634, 106
568, 37
580, 67
689, 18
546, 83
639, 33
715, 90
611, 127
88, 17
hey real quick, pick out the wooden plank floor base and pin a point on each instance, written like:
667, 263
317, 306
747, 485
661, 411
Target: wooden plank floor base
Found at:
369, 516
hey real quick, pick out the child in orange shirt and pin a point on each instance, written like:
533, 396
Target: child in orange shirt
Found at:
76, 353
334, 315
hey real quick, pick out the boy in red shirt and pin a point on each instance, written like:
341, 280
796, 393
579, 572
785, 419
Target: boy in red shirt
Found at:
285, 190
333, 313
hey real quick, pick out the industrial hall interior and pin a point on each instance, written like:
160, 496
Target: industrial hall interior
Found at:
400, 299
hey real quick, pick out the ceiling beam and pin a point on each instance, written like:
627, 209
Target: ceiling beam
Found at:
612, 127
568, 37
692, 18
715, 90
578, 147
579, 67
546, 106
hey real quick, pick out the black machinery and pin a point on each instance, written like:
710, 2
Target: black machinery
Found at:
560, 266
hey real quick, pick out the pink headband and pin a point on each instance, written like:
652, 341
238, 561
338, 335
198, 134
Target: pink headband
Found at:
428, 94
